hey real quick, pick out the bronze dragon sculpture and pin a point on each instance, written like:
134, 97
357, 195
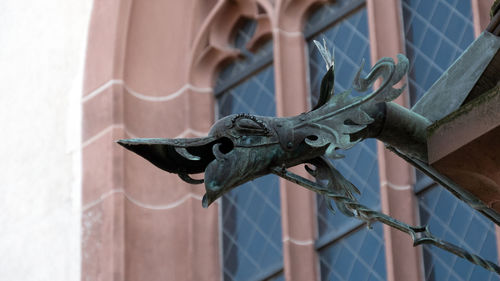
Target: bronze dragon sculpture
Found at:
242, 147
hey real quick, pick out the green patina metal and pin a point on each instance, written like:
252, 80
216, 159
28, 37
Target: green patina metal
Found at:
242, 147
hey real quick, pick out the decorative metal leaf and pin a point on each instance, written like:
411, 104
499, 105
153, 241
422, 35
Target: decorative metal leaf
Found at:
327, 83
390, 73
343, 115
326, 89
341, 99
333, 183
361, 117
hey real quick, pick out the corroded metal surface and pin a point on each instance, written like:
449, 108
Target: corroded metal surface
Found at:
242, 147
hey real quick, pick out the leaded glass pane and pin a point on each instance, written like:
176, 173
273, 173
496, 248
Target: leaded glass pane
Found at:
437, 33
252, 229
452, 220
359, 256
254, 95
323, 15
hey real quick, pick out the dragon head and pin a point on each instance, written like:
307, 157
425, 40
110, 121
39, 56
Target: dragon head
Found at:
242, 147
238, 148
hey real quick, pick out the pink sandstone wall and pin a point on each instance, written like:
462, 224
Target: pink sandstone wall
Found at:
138, 222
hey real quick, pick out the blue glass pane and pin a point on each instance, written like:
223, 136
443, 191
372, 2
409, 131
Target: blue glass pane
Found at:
349, 38
454, 221
251, 213
437, 33
255, 95
252, 229
359, 256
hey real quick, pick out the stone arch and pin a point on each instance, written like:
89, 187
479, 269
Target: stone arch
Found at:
212, 45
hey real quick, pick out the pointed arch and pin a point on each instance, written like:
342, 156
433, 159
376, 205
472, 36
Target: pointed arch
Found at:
212, 45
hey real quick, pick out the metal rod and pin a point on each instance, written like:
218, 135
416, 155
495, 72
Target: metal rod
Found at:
405, 130
419, 234
455, 189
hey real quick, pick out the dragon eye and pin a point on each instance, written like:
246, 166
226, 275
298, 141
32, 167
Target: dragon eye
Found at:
250, 126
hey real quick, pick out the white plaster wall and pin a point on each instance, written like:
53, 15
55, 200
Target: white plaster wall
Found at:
42, 47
